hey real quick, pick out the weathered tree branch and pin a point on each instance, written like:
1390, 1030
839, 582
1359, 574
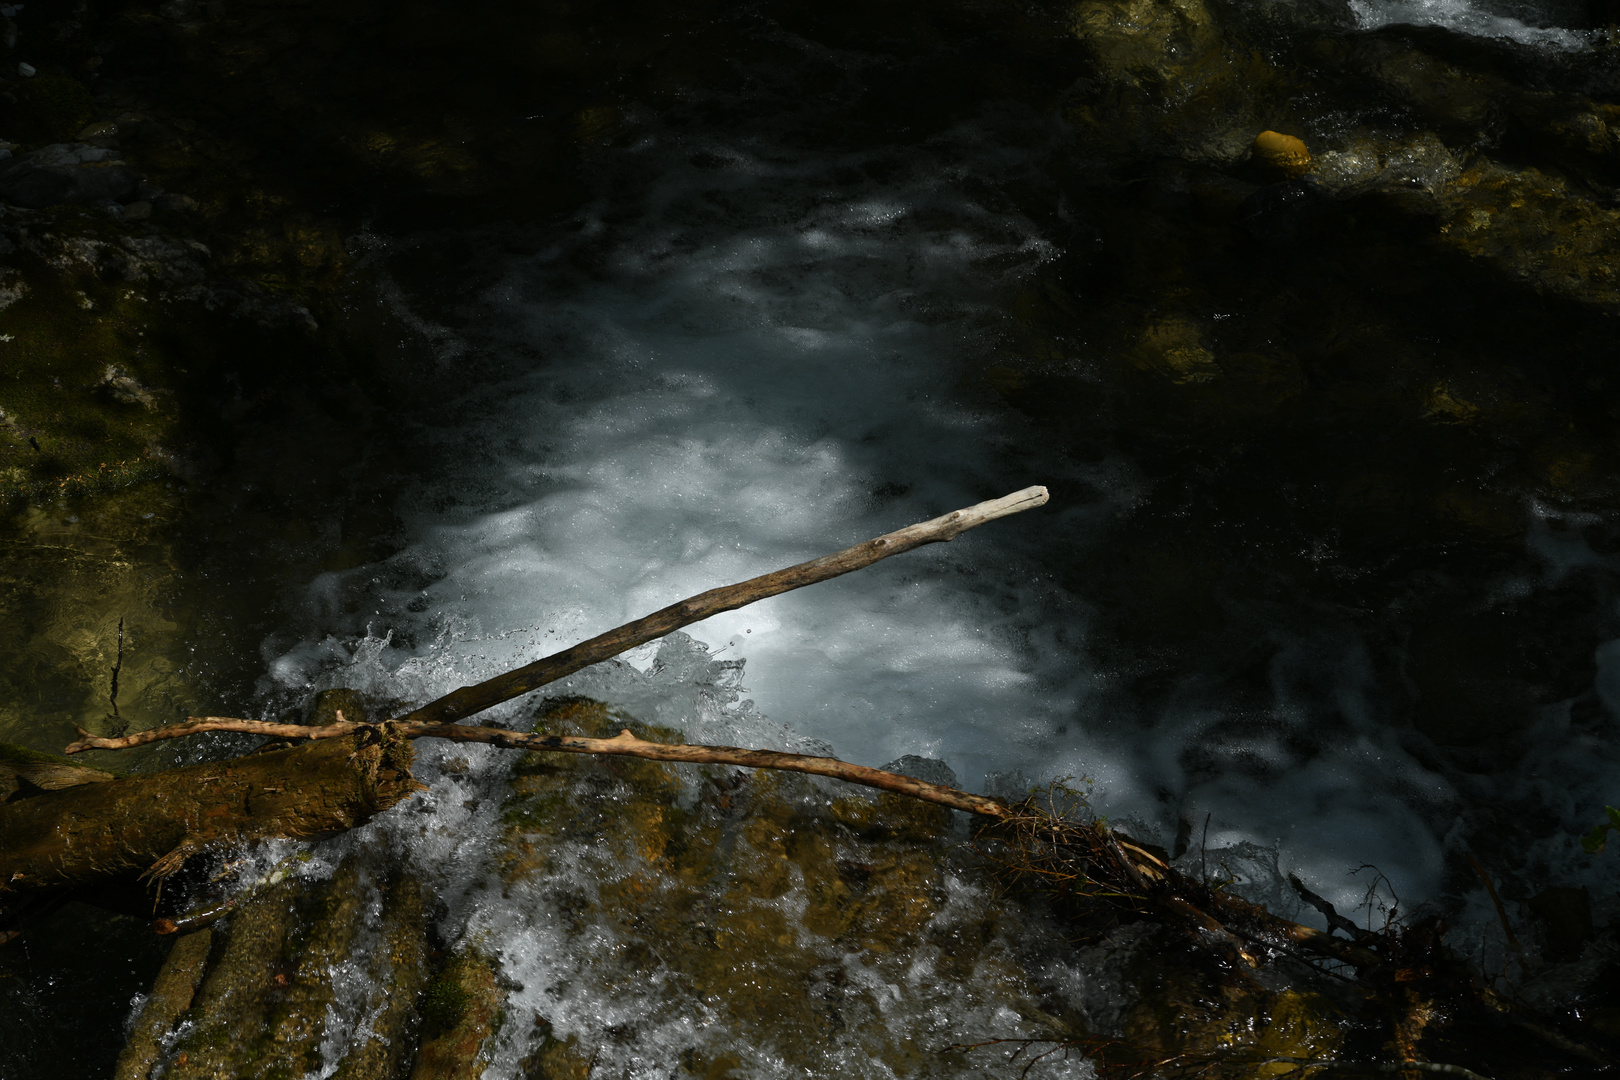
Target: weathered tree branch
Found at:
195, 725
462, 703
627, 745
473, 699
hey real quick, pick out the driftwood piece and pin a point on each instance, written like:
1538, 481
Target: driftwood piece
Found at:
462, 703
473, 699
149, 824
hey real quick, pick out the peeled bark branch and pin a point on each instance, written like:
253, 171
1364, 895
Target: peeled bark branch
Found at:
193, 725
473, 699
462, 703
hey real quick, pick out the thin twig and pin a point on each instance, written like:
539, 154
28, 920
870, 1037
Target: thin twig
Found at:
626, 744
194, 725
208, 913
1335, 920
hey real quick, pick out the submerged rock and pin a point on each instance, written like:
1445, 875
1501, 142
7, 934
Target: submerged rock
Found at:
307, 977
1369, 161
1168, 79
1537, 228
1282, 153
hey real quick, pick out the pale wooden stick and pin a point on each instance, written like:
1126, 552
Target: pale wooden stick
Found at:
193, 725
468, 700
623, 745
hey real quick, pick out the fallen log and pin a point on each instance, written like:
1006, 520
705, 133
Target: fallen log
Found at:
25, 772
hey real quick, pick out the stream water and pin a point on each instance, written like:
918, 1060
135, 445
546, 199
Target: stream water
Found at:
1287, 627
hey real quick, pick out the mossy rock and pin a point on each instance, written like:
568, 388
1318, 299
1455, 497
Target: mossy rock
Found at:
266, 1005
747, 888
1538, 229
460, 1010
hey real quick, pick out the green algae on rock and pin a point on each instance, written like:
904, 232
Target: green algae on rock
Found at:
698, 870
113, 338
277, 1000
460, 1009
70, 574
1167, 78
1536, 228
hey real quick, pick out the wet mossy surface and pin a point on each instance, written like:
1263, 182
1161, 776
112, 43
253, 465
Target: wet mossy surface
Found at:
747, 892
279, 984
784, 907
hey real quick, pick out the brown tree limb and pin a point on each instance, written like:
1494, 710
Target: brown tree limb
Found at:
627, 745
193, 725
468, 700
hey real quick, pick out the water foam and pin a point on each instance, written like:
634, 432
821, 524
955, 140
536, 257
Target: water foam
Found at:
1526, 24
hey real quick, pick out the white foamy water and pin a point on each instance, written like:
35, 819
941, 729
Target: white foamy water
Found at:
736, 363
1547, 25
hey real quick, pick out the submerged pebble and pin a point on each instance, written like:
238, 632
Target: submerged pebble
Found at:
1282, 153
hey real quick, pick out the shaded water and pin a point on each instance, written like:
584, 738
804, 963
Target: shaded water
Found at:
1330, 550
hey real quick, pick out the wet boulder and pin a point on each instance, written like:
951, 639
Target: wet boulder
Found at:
67, 173
1167, 79
1536, 228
